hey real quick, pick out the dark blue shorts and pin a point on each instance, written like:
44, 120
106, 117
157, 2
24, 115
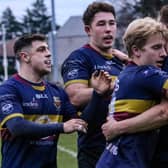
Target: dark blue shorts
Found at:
87, 158
160, 159
130, 151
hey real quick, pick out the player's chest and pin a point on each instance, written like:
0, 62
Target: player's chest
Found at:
41, 102
107, 65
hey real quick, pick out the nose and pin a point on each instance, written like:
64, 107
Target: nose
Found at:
48, 52
164, 52
108, 27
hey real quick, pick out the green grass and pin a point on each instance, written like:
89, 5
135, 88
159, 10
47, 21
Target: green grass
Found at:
64, 159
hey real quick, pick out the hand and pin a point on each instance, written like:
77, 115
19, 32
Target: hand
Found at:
75, 125
5, 134
120, 55
108, 128
101, 81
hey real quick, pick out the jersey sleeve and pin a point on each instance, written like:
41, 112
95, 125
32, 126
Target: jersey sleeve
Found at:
10, 106
69, 111
75, 69
153, 79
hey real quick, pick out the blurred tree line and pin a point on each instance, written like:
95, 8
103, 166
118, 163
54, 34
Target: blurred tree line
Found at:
35, 20
132, 9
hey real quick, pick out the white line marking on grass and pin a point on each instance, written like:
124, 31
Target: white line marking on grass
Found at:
68, 151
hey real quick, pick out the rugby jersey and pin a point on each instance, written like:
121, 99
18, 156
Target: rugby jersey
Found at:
137, 89
78, 68
40, 103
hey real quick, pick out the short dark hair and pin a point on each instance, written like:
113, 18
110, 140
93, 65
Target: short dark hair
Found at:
164, 14
94, 8
26, 40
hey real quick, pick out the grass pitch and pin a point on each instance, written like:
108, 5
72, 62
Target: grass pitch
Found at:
66, 157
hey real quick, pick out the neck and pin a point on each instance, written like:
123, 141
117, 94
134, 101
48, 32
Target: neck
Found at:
137, 61
105, 51
30, 75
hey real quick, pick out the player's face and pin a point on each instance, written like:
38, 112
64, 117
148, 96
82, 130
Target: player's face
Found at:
102, 31
40, 58
153, 53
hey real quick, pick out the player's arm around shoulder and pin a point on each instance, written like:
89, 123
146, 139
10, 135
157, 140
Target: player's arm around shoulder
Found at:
120, 55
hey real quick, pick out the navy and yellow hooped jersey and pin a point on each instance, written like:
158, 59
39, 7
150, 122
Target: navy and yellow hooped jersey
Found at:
41, 103
78, 68
80, 65
137, 89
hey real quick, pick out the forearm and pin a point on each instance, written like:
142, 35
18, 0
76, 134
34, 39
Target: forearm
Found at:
20, 127
80, 96
153, 118
91, 110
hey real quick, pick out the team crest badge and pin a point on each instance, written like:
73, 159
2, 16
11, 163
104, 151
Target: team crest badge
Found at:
57, 102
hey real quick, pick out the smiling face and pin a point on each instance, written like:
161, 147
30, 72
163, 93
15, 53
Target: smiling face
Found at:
102, 31
153, 52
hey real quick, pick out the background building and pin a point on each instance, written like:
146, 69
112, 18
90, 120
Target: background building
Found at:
68, 38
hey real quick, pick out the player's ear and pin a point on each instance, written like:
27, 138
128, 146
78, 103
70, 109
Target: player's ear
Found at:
87, 29
135, 51
25, 57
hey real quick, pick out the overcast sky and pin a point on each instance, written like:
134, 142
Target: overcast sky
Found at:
63, 8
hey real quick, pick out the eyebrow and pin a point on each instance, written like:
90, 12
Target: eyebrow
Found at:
42, 47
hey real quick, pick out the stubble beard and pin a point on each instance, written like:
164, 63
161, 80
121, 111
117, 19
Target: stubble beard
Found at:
105, 48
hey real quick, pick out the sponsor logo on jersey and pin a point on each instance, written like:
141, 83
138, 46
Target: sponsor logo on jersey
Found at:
7, 107
31, 104
41, 96
72, 74
103, 67
57, 102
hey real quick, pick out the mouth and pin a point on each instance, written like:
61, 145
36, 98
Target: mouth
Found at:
160, 63
47, 62
108, 39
